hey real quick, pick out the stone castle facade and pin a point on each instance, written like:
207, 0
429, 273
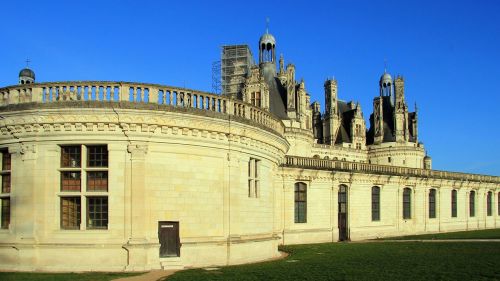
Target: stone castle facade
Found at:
100, 175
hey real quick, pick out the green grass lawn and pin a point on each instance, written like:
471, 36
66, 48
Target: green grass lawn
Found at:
368, 261
94, 276
476, 234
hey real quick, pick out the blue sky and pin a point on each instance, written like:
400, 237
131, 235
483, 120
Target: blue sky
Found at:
448, 52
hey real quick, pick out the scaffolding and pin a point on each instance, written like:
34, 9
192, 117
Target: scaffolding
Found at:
235, 67
216, 84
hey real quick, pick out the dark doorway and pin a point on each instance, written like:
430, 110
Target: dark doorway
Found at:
168, 234
343, 213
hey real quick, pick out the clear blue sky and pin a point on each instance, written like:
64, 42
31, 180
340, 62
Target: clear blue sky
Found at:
448, 51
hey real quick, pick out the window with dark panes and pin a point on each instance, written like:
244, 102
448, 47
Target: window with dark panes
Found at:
5, 174
70, 181
97, 212
87, 166
97, 156
453, 203
488, 204
375, 203
300, 202
71, 156
498, 204
97, 181
406, 203
432, 204
70, 212
472, 204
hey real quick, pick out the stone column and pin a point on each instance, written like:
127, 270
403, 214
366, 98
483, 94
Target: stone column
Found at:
23, 196
142, 248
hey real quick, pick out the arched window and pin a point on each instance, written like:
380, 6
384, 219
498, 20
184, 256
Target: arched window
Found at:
300, 202
472, 204
375, 203
453, 203
488, 204
432, 204
406, 203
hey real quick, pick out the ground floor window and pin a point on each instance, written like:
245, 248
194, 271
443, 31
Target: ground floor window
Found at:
453, 203
300, 202
375, 203
488, 203
70, 212
432, 204
97, 208
406, 203
472, 204
5, 212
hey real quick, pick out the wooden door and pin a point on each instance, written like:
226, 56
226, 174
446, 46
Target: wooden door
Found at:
342, 211
168, 234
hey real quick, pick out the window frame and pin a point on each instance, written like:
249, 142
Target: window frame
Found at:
472, 203
375, 203
454, 201
407, 203
489, 204
6, 189
432, 203
254, 178
300, 202
92, 163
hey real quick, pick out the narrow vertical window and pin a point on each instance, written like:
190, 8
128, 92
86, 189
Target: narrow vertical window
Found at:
432, 204
406, 203
488, 203
6, 187
300, 202
253, 177
498, 204
454, 203
375, 203
472, 204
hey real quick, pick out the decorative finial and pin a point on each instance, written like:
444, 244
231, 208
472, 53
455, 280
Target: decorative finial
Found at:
385, 66
416, 108
27, 63
267, 25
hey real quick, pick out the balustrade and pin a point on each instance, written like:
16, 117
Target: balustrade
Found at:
136, 93
313, 163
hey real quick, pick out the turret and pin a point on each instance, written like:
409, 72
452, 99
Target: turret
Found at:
331, 120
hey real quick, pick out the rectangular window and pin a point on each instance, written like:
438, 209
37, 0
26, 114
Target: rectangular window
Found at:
253, 177
71, 156
97, 181
97, 156
432, 204
71, 181
97, 209
70, 212
453, 203
6, 188
407, 203
6, 182
300, 202
488, 204
84, 165
5, 212
6, 158
375, 203
472, 204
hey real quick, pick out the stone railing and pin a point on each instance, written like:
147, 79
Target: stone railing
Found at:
106, 91
323, 164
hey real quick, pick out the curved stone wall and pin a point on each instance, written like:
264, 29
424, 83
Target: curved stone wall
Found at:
167, 163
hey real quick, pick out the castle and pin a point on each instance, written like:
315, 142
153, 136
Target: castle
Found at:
112, 176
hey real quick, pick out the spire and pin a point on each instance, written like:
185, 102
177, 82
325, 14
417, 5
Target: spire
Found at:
267, 25
385, 66
28, 63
